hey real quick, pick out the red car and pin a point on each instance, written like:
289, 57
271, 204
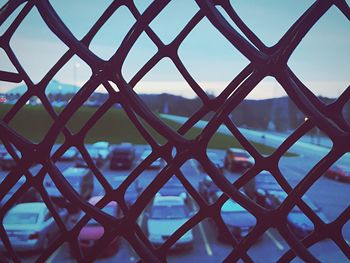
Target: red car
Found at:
338, 173
237, 159
93, 231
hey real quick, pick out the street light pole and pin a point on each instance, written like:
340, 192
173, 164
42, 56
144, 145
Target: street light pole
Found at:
75, 71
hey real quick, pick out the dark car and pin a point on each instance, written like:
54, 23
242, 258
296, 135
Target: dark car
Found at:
81, 179
207, 188
263, 182
215, 159
338, 173
122, 156
237, 159
238, 220
298, 222
7, 162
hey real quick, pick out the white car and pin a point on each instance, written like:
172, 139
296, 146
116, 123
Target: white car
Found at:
167, 214
30, 226
156, 164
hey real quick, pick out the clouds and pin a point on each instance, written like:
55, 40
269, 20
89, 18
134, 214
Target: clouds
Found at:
320, 61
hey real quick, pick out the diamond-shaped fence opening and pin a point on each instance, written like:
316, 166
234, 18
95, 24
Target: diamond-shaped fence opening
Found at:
257, 202
105, 43
32, 56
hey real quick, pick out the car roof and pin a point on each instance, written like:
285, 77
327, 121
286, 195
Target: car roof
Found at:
232, 206
75, 171
95, 199
103, 144
29, 207
168, 200
147, 151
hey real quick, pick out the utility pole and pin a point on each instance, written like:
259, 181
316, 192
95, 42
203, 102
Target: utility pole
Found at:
75, 71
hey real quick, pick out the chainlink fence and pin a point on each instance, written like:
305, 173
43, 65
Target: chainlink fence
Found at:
263, 61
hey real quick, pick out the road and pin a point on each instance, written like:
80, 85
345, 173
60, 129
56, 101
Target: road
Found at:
310, 152
330, 195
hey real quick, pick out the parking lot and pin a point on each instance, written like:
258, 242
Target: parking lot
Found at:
331, 196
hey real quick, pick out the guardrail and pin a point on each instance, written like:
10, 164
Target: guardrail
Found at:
264, 61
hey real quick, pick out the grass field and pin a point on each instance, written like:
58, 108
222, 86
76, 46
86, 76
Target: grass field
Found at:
33, 122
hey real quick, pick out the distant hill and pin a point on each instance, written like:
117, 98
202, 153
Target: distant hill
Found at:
276, 114
54, 87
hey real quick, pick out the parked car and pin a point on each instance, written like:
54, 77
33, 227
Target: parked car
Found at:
12, 190
215, 159
207, 188
262, 183
102, 147
93, 231
237, 159
167, 214
157, 164
122, 156
238, 220
298, 222
69, 155
30, 226
99, 153
132, 192
31, 195
173, 188
339, 173
7, 162
82, 181
3, 150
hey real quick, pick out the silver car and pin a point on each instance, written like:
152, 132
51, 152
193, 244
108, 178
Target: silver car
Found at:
167, 214
30, 226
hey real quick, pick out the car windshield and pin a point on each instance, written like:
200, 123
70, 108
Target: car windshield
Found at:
241, 154
168, 212
21, 218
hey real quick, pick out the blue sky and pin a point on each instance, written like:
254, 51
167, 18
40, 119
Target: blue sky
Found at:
321, 61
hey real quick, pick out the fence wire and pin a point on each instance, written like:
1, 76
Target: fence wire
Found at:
263, 61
